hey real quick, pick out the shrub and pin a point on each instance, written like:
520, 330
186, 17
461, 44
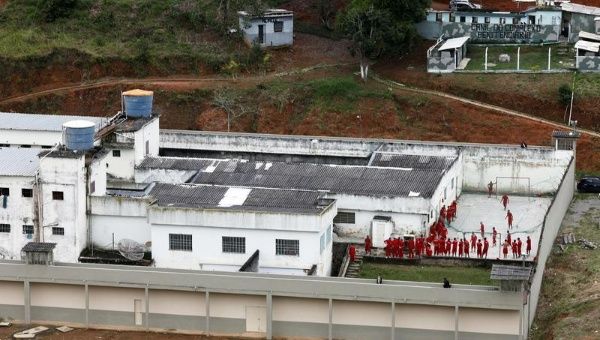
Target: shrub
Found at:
564, 94
55, 9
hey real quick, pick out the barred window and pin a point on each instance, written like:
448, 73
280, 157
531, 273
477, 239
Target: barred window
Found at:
344, 217
234, 244
287, 247
474, 20
27, 229
180, 242
5, 191
58, 195
27, 192
58, 231
278, 26
487, 20
116, 153
4, 228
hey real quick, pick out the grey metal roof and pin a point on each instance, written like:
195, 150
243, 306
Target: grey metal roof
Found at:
257, 199
358, 180
175, 163
412, 161
42, 122
39, 247
566, 134
19, 161
126, 193
502, 272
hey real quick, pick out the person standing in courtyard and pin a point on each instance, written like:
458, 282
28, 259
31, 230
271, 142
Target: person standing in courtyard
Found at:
368, 245
486, 246
494, 234
528, 249
473, 241
482, 229
479, 249
505, 249
504, 200
490, 189
509, 216
352, 253
519, 246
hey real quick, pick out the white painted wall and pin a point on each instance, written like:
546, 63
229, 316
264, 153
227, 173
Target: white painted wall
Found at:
543, 167
66, 175
27, 137
118, 217
97, 171
449, 188
19, 211
148, 133
123, 166
207, 228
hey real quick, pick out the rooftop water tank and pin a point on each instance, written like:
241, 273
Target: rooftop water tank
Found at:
138, 103
79, 135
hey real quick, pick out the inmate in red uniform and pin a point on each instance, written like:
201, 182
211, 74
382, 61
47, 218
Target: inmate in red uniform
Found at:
528, 245
494, 234
509, 237
514, 249
448, 249
460, 248
466, 247
411, 248
509, 216
505, 248
473, 241
400, 248
454, 245
388, 247
490, 189
486, 246
482, 229
352, 252
479, 246
504, 200
519, 246
368, 245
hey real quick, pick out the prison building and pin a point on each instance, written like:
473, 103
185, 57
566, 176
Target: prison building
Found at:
587, 55
447, 55
272, 28
578, 18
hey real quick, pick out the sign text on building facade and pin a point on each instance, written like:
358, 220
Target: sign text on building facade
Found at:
505, 31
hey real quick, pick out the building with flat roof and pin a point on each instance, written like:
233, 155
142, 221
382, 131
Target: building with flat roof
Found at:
272, 28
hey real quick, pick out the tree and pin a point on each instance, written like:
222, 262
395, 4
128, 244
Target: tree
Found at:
378, 27
225, 9
54, 9
368, 29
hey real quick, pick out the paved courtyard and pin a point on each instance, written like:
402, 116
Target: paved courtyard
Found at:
528, 213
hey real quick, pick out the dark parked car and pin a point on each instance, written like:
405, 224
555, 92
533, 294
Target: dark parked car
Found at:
589, 184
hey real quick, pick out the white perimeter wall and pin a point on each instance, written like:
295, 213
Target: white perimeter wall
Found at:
19, 211
26, 137
122, 166
552, 223
543, 167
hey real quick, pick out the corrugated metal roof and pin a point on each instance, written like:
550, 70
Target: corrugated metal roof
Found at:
19, 161
41, 122
258, 199
589, 36
412, 161
501, 272
576, 8
39, 247
358, 180
588, 46
453, 43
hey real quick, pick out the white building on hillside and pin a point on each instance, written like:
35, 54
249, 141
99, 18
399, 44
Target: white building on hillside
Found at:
275, 27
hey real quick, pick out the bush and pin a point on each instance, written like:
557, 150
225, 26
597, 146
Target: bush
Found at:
55, 9
564, 94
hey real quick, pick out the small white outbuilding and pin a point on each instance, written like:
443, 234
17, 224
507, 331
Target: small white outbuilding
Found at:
274, 27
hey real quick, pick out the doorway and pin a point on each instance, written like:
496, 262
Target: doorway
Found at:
256, 319
137, 312
261, 34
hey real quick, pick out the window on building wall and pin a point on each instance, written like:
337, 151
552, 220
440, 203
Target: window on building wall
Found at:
278, 26
58, 195
486, 20
27, 192
234, 244
438, 17
27, 229
463, 19
452, 17
93, 187
25, 146
503, 21
5, 191
46, 147
287, 247
516, 20
4, 228
180, 242
147, 147
474, 20
4, 145
116, 153
58, 231
344, 217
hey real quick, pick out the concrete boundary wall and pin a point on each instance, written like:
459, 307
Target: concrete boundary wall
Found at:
552, 222
125, 297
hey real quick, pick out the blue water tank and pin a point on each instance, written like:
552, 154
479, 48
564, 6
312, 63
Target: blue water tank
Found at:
138, 103
79, 135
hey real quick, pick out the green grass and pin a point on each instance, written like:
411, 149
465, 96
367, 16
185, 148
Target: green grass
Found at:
532, 58
455, 274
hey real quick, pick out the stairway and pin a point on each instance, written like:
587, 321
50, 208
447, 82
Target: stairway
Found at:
354, 267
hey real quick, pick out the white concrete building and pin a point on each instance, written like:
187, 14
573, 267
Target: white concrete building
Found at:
27, 130
273, 28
